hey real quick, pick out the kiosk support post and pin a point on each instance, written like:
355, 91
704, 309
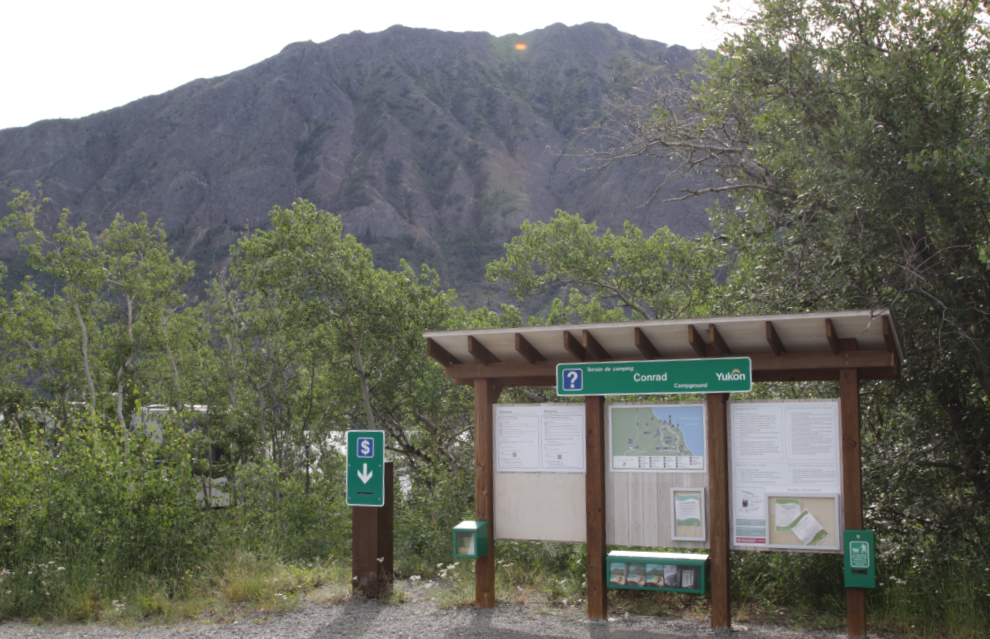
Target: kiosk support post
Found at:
718, 488
595, 504
852, 487
485, 395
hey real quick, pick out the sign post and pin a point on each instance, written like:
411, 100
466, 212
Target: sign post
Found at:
366, 468
369, 492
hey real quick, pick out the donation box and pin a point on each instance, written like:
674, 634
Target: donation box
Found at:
471, 539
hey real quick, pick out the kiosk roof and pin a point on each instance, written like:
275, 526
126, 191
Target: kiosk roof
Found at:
791, 347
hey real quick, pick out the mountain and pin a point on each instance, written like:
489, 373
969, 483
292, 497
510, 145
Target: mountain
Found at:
432, 146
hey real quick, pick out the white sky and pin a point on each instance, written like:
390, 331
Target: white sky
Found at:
70, 58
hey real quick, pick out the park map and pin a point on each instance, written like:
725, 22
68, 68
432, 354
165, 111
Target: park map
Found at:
644, 438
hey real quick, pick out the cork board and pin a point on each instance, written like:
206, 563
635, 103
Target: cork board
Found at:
825, 513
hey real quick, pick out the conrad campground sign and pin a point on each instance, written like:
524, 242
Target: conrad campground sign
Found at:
723, 375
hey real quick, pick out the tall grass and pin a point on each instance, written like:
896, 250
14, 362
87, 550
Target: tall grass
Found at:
95, 516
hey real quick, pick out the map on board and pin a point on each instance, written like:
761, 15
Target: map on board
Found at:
657, 437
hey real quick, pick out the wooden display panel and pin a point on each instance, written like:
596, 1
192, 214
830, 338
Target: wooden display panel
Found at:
639, 506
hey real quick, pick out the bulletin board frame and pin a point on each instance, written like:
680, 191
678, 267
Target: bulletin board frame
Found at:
832, 523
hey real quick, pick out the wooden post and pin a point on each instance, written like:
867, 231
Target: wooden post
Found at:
371, 540
386, 532
718, 490
852, 487
594, 481
485, 395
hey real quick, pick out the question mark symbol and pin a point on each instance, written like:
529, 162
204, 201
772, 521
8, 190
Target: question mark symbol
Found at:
573, 375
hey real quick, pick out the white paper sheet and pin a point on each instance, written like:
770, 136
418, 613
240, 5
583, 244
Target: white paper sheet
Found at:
808, 529
786, 512
687, 510
546, 438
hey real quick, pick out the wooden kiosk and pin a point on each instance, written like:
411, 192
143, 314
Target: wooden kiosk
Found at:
846, 346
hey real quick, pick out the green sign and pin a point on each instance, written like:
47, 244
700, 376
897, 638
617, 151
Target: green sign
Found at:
655, 377
365, 468
858, 552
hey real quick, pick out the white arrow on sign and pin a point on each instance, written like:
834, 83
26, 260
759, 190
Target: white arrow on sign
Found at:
365, 475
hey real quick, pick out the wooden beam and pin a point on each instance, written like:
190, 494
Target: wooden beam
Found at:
527, 350
888, 335
593, 348
485, 395
824, 363
852, 487
821, 361
502, 369
594, 481
721, 348
481, 354
774, 340
831, 336
527, 381
644, 345
888, 339
696, 341
440, 353
573, 346
719, 508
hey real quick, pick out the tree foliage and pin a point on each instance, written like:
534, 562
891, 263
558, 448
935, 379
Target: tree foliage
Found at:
851, 139
607, 277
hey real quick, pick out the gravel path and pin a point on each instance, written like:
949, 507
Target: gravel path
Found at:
417, 617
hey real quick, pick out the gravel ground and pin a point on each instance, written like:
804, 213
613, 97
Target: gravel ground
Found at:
417, 617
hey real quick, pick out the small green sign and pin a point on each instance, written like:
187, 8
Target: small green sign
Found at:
365, 468
858, 552
656, 377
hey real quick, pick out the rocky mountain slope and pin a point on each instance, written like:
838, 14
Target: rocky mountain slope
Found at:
433, 146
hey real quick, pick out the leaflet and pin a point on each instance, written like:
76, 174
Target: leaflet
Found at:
809, 530
687, 510
670, 576
787, 511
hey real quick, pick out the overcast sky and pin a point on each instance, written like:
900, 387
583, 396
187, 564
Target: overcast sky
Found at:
70, 58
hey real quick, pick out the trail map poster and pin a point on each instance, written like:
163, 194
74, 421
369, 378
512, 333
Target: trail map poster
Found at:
657, 437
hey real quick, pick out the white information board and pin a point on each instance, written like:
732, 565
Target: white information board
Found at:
539, 472
540, 438
786, 474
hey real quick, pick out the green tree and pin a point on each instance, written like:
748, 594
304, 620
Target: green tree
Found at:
334, 342
610, 277
851, 137
70, 256
144, 283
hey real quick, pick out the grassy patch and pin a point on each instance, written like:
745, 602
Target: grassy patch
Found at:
235, 585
